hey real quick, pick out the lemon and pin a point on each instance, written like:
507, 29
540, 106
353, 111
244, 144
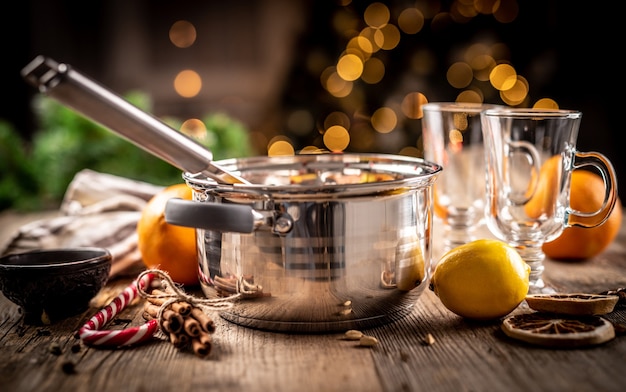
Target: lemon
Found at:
483, 280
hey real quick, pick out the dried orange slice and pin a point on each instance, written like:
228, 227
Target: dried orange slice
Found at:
558, 330
577, 304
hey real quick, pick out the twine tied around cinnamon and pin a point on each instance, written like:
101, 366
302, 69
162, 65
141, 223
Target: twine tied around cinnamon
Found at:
175, 294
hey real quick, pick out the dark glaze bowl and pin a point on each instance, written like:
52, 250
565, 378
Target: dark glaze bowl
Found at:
53, 284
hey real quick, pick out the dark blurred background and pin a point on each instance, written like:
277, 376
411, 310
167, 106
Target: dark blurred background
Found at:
269, 64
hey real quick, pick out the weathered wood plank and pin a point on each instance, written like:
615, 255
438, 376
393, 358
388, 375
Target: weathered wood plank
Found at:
465, 356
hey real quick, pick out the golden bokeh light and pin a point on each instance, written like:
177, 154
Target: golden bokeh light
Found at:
470, 96
311, 150
516, 94
373, 70
463, 11
391, 37
384, 120
369, 33
334, 84
280, 146
507, 11
456, 139
411, 105
376, 15
360, 45
487, 7
336, 138
460, 122
350, 67
411, 151
546, 103
482, 66
503, 77
460, 75
411, 20
182, 34
337, 118
187, 83
194, 127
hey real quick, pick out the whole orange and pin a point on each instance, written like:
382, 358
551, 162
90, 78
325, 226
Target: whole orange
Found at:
578, 243
545, 186
167, 247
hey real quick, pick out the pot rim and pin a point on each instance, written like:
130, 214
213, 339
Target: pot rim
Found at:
405, 172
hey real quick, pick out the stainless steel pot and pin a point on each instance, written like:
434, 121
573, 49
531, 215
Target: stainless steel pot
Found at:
315, 243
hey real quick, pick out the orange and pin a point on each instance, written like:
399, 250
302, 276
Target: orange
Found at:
543, 201
578, 243
167, 247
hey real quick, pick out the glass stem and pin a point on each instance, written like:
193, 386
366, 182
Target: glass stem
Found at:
534, 257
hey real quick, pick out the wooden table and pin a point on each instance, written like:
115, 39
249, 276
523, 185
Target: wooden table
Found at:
465, 356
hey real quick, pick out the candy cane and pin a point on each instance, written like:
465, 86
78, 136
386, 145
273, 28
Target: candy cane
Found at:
91, 334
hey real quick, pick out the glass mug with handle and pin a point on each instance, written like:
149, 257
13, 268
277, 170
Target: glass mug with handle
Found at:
453, 138
530, 155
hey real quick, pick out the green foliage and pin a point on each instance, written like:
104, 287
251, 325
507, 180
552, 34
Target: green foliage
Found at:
37, 176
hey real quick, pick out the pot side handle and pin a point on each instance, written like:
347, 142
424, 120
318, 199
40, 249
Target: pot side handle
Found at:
210, 216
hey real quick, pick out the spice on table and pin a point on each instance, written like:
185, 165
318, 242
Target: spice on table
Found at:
184, 323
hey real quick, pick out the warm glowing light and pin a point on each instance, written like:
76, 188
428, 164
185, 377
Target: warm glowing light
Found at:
311, 150
338, 86
470, 96
187, 83
462, 12
546, 103
411, 105
369, 34
384, 120
459, 75
516, 94
391, 37
455, 136
487, 7
376, 15
361, 45
503, 77
507, 11
182, 34
350, 67
337, 118
410, 151
280, 147
482, 66
411, 20
373, 71
460, 122
336, 138
194, 127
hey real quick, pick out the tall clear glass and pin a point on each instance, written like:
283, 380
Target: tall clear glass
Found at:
453, 138
531, 154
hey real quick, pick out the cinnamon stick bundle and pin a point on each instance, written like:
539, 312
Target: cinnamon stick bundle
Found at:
186, 325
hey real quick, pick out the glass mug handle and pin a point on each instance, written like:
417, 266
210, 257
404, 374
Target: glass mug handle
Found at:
606, 170
522, 150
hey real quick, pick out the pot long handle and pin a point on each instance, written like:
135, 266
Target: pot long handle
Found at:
237, 218
77, 91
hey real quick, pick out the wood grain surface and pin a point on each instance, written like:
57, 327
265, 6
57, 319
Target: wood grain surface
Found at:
465, 356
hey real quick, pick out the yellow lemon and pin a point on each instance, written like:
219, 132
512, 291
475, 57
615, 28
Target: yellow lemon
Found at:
482, 280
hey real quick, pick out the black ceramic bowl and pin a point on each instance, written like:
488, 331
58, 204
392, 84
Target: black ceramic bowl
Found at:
54, 284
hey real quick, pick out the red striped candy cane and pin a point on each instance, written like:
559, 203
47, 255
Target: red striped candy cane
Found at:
91, 334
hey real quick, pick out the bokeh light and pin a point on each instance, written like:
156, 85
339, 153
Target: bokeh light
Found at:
187, 83
182, 34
